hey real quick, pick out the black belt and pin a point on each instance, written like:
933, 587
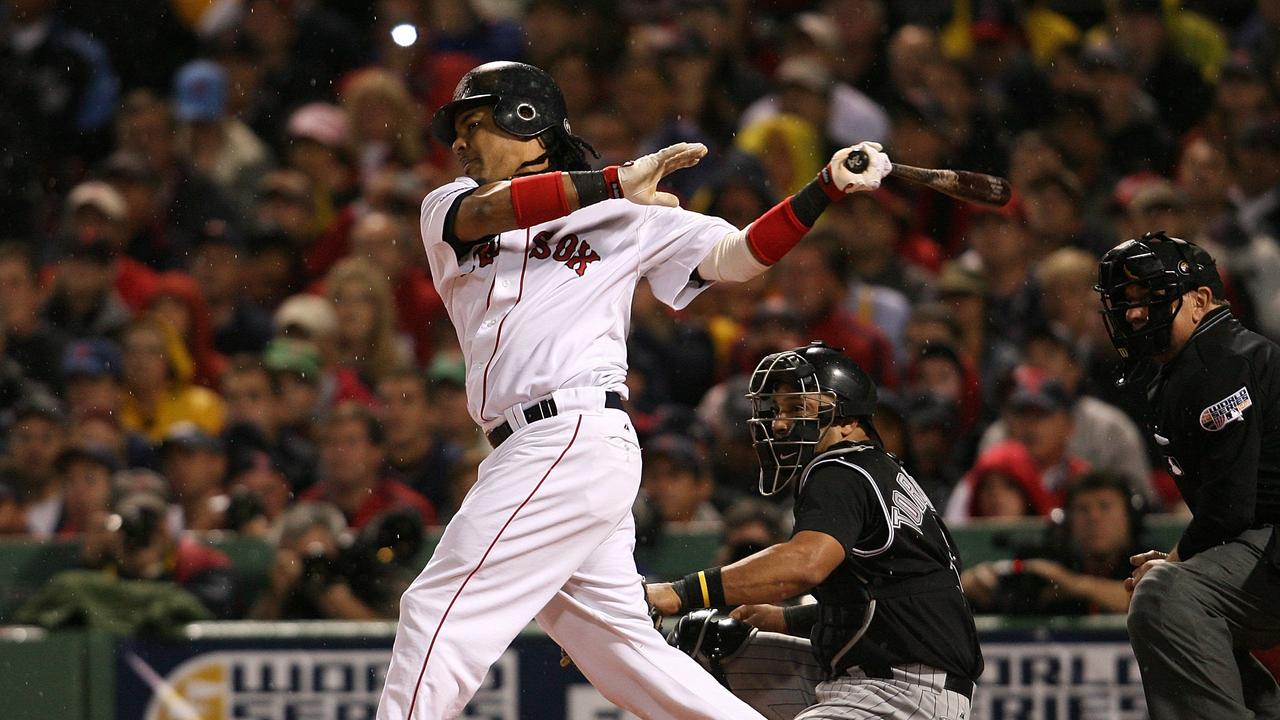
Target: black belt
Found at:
542, 410
954, 683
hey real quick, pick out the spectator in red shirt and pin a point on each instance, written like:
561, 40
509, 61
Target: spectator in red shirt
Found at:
810, 279
352, 450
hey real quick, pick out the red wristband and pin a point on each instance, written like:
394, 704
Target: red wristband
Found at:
774, 233
611, 181
539, 198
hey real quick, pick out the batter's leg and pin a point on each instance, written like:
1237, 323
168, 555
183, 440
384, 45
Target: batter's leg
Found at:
536, 512
600, 618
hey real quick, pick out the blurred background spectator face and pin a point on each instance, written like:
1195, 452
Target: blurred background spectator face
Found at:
808, 282
407, 414
676, 478
1067, 277
1041, 420
86, 485
1033, 156
194, 463
1098, 521
1000, 496
146, 358
285, 203
250, 397
384, 240
145, 129
911, 50
91, 373
35, 440
1204, 174
19, 294
349, 456
644, 98
97, 210
750, 525
938, 374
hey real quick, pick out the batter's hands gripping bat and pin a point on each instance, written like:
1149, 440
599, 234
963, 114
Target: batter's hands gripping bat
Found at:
960, 184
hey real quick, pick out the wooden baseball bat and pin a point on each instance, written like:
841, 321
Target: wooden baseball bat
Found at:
960, 184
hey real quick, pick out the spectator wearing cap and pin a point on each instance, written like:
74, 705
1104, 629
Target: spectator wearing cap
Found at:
1003, 484
301, 387
646, 98
254, 394
1102, 435
964, 293
1004, 251
91, 373
238, 324
352, 456
1038, 416
724, 410
313, 321
286, 204
676, 479
259, 492
168, 202
1055, 213
417, 453
218, 146
318, 143
29, 340
447, 393
843, 114
941, 370
885, 307
86, 472
1135, 127
35, 439
810, 278
96, 210
195, 464
157, 381
83, 300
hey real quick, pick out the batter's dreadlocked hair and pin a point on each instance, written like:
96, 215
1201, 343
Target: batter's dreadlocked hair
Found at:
564, 151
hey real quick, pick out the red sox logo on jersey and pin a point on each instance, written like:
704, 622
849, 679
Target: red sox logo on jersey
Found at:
574, 253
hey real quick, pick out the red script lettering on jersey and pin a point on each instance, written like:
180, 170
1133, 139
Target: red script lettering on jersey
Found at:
574, 253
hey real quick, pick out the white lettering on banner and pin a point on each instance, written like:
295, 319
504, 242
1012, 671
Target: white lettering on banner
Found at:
583, 702
1059, 681
306, 685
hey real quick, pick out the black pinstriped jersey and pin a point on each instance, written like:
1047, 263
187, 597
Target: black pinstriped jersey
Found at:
896, 599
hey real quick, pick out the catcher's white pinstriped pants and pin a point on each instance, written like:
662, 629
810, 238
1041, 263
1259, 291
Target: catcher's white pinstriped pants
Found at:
546, 531
779, 676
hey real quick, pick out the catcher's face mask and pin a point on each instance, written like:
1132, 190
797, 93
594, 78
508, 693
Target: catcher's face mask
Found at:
789, 414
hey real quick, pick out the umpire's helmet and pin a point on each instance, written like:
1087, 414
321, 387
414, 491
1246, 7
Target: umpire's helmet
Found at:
778, 390
1152, 272
526, 100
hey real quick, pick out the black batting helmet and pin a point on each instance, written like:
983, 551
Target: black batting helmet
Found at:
779, 384
526, 100
1152, 272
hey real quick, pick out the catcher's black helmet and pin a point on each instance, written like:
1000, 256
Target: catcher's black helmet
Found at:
778, 388
1151, 272
526, 100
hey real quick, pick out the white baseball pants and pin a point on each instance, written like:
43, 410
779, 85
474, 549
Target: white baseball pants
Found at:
546, 532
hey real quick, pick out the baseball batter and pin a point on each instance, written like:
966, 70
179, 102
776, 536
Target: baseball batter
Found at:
537, 258
891, 635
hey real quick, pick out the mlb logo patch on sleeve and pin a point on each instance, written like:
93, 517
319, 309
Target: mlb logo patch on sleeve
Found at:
1225, 411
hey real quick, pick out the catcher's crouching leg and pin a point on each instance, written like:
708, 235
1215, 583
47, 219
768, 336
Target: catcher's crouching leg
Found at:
775, 674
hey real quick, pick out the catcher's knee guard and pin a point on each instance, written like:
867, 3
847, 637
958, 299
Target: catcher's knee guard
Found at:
709, 639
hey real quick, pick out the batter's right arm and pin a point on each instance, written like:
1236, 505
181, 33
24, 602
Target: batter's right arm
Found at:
534, 199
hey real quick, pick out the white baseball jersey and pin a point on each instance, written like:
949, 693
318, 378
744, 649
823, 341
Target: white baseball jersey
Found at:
546, 532
527, 304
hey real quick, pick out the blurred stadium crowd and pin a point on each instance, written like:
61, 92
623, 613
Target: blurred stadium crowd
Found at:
216, 315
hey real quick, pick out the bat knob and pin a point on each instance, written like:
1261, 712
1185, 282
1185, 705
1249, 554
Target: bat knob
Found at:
856, 161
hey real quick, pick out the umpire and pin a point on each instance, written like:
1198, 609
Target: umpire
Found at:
1197, 611
891, 630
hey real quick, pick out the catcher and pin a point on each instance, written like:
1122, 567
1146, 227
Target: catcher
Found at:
891, 634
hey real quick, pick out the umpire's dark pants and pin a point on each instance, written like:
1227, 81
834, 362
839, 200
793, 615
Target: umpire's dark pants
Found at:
1192, 624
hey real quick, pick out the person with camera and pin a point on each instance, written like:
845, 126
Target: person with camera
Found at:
135, 543
1080, 569
1214, 412
319, 572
